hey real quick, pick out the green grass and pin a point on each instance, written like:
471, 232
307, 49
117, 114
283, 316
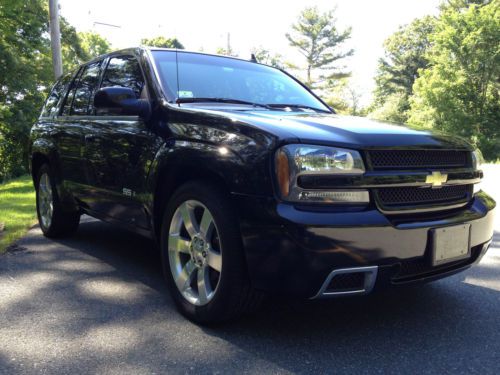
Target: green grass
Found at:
17, 209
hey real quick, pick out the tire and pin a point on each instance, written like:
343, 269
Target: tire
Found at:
54, 220
193, 253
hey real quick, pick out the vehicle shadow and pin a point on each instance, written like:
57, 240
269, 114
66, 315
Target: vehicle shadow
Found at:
436, 315
436, 327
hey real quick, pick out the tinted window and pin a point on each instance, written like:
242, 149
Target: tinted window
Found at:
124, 71
84, 93
205, 76
70, 95
58, 91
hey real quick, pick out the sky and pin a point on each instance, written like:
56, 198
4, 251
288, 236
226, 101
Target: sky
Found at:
257, 23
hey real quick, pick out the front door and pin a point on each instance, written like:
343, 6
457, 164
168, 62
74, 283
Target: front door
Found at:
119, 150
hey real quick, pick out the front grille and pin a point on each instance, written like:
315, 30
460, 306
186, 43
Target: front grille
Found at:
418, 159
415, 196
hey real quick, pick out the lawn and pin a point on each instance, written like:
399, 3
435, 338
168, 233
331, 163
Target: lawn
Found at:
17, 209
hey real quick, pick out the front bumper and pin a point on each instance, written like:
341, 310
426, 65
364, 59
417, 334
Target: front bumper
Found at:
293, 251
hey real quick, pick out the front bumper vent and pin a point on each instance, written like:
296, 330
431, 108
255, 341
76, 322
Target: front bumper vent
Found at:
348, 281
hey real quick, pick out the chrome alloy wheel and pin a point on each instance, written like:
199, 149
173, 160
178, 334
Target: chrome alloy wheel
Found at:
194, 252
45, 200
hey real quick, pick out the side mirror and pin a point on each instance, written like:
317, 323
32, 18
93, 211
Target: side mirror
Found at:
121, 101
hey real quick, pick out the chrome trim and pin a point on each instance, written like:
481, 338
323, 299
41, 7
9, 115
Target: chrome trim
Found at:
470, 181
370, 278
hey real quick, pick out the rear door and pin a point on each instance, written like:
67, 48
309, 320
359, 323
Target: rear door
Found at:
67, 141
76, 116
119, 149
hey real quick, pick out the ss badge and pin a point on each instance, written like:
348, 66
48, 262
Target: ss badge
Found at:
128, 192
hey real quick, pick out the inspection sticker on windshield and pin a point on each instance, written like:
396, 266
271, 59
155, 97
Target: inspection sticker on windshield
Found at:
186, 94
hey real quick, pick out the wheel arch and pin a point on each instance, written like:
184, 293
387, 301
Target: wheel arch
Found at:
171, 177
37, 160
44, 151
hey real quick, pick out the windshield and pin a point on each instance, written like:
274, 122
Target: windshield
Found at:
206, 77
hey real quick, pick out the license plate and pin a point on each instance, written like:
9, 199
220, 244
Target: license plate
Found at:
450, 244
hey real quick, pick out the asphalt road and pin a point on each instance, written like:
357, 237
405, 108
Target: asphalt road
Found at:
96, 303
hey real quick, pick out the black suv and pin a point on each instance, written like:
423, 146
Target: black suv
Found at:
250, 183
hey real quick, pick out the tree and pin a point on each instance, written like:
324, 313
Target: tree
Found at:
317, 38
79, 47
345, 98
264, 56
459, 92
93, 44
25, 73
405, 56
394, 108
162, 42
462, 4
353, 97
226, 51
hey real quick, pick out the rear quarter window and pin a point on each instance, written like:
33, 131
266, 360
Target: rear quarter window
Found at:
51, 107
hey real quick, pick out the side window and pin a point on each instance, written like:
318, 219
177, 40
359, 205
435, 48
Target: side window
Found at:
83, 103
51, 106
70, 95
124, 71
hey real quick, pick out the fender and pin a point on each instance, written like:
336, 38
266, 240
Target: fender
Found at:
218, 150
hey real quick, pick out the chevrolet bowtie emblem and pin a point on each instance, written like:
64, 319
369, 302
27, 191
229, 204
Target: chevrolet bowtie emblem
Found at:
436, 178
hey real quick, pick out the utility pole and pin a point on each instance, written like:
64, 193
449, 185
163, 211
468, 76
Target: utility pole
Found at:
55, 38
229, 52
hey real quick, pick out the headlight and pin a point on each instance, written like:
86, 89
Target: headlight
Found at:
477, 159
293, 161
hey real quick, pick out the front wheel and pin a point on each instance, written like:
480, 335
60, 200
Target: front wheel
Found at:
202, 255
54, 220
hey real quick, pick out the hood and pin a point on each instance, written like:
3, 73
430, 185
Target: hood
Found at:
343, 131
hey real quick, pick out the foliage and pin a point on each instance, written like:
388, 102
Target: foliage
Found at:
459, 93
24, 70
79, 47
316, 37
26, 73
162, 42
394, 108
226, 51
93, 44
345, 98
17, 209
264, 56
405, 55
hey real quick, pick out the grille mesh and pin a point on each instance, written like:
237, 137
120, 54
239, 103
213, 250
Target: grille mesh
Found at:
416, 159
414, 196
347, 281
415, 268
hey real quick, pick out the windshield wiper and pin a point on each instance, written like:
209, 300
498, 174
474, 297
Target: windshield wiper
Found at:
299, 106
220, 100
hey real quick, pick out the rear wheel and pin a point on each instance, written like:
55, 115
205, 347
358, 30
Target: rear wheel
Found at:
202, 255
53, 219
